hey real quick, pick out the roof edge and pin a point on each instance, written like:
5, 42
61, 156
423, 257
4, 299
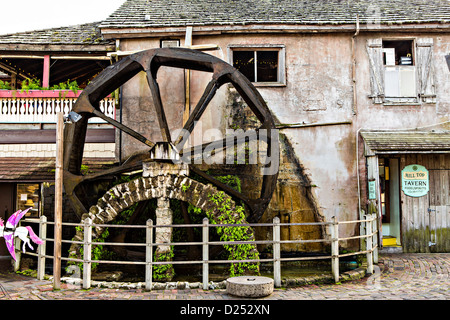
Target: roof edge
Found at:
137, 32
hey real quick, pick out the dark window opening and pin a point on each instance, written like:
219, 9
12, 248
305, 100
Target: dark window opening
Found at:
398, 52
244, 61
266, 63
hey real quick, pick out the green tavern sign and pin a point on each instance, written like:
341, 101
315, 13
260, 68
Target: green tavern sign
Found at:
415, 180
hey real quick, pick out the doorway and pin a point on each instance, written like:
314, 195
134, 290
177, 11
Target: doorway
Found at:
390, 201
6, 209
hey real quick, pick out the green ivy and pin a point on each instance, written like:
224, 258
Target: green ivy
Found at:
98, 252
232, 233
163, 272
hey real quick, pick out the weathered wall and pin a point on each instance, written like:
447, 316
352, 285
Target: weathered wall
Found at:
378, 116
319, 89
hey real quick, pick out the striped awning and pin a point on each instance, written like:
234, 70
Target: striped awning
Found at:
406, 141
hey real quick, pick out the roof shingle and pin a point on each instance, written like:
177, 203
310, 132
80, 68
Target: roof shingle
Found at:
163, 13
83, 34
42, 169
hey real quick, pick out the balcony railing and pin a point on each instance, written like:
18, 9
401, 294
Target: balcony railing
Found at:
41, 106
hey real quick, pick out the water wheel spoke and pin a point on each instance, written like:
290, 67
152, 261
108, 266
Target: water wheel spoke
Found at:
156, 95
207, 96
124, 128
221, 185
218, 145
150, 61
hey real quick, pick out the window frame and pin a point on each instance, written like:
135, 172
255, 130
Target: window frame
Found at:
399, 67
162, 43
423, 58
281, 74
36, 209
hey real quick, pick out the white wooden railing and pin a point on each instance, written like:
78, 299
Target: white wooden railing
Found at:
43, 107
369, 232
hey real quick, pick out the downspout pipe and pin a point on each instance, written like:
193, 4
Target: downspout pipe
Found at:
354, 66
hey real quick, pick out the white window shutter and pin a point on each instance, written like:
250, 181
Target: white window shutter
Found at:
374, 51
425, 70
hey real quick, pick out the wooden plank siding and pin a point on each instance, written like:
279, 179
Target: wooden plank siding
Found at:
426, 220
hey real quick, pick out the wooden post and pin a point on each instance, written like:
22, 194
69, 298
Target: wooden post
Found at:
369, 244
334, 231
187, 78
87, 253
276, 252
205, 253
375, 237
149, 255
58, 201
42, 248
18, 253
46, 72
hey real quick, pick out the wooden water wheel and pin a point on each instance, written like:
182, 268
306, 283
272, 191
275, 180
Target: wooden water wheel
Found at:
150, 61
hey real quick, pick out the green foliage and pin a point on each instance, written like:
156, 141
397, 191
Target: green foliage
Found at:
234, 233
35, 84
5, 85
31, 84
85, 169
98, 252
185, 188
232, 181
68, 85
163, 272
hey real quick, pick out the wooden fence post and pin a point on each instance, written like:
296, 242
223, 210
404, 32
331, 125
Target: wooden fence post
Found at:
58, 201
205, 253
149, 255
276, 252
87, 253
375, 237
18, 252
42, 248
369, 244
334, 231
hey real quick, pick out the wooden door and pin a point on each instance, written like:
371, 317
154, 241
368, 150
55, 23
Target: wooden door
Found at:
6, 209
426, 219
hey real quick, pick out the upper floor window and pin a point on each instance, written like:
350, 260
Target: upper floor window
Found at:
169, 43
401, 70
398, 52
262, 65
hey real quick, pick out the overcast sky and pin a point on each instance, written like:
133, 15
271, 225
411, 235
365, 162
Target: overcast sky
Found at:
29, 15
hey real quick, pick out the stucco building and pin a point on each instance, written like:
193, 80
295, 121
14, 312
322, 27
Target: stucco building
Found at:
359, 91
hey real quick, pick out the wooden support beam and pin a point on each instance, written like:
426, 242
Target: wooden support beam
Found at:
58, 201
187, 79
46, 72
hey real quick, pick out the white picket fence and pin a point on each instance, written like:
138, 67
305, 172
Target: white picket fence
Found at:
44, 110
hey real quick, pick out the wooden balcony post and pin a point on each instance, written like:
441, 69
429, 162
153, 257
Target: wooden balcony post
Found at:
46, 72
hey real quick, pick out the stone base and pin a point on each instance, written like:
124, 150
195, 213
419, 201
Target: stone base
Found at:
250, 286
154, 169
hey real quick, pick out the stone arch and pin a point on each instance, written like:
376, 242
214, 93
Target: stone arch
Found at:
123, 196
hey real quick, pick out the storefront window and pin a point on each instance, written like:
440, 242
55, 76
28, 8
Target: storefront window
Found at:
28, 196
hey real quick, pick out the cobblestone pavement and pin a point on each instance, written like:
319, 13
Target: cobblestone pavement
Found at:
396, 277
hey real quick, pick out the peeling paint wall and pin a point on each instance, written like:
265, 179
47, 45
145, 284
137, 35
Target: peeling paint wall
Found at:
319, 89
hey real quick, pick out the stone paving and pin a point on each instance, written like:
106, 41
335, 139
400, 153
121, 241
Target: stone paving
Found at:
396, 277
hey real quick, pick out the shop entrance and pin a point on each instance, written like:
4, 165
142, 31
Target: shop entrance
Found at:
390, 201
6, 209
